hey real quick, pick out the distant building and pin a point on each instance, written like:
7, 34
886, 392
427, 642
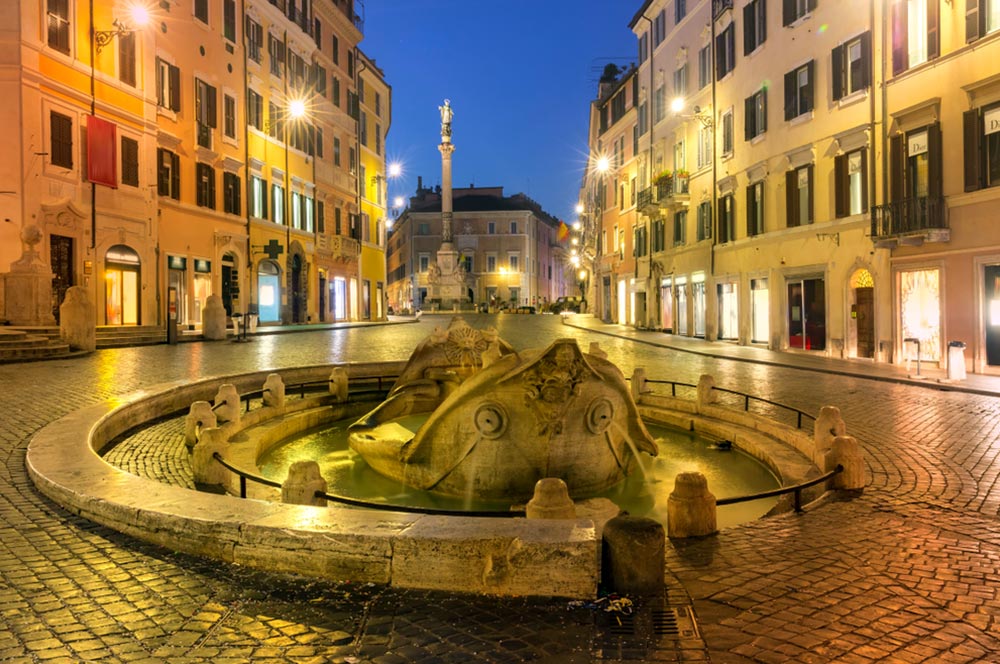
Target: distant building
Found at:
509, 246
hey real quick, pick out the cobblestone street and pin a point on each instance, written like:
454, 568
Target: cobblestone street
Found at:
908, 571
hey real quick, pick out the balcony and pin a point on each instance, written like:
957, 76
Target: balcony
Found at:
910, 221
648, 200
672, 191
719, 6
341, 247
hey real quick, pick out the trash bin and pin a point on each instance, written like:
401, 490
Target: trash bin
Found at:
236, 325
956, 360
253, 324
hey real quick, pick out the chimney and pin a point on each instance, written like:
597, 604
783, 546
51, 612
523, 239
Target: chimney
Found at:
420, 182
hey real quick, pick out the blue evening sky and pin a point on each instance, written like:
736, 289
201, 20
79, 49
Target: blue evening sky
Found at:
520, 75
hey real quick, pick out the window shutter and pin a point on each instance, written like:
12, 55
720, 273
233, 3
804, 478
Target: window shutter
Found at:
175, 176
791, 198
810, 93
790, 95
748, 118
866, 59
748, 37
972, 133
933, 21
812, 196
263, 200
897, 167
761, 21
972, 22
787, 12
763, 116
750, 209
900, 59
864, 179
837, 77
841, 186
175, 88
934, 160
213, 114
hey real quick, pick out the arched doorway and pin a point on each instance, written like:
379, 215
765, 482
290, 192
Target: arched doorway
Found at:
862, 320
121, 286
297, 288
269, 292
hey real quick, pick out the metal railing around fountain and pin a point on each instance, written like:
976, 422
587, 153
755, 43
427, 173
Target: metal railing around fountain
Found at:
747, 399
360, 386
354, 502
773, 493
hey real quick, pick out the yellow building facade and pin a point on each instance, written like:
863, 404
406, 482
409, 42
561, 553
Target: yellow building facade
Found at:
374, 118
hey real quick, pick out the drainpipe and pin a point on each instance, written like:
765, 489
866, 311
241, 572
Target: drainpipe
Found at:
248, 301
649, 156
359, 66
715, 147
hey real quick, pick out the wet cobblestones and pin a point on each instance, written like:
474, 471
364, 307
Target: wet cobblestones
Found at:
909, 571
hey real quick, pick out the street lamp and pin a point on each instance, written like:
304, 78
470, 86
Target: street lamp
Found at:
677, 106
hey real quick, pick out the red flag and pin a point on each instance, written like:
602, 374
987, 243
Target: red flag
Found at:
563, 233
102, 162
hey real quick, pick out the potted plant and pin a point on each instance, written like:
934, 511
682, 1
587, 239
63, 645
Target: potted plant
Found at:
663, 176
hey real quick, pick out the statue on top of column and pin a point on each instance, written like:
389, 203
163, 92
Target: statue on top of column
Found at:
446, 115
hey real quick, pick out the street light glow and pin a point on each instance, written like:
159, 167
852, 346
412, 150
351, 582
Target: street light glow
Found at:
579, 208
398, 201
140, 15
576, 225
603, 164
395, 169
677, 105
297, 108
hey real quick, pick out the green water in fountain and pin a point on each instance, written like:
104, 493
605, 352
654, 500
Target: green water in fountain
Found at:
644, 493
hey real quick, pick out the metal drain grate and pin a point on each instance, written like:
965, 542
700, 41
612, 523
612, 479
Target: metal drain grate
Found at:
674, 622
622, 625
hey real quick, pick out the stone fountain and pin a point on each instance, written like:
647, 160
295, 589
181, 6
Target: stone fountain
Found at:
498, 421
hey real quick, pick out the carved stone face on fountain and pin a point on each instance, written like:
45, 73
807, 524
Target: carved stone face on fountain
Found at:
553, 412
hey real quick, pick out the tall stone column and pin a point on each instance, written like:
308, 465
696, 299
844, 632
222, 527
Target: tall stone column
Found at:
446, 148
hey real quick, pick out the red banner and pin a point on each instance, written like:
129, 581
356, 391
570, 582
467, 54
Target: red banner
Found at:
102, 158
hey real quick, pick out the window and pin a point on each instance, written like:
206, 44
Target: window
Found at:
704, 147
229, 20
296, 210
60, 140
657, 235
126, 58
336, 151
378, 105
337, 225
255, 39
799, 90
725, 51
296, 69
643, 47
704, 66
915, 174
852, 66
201, 10
363, 129
350, 63
319, 79
799, 196
680, 156
276, 54
205, 112
680, 10
727, 218
205, 185
982, 147
704, 220
680, 227
491, 263
58, 25
850, 172
513, 228
352, 160
318, 32
277, 204
915, 33
320, 217
231, 193
168, 174
258, 197
276, 128
755, 107
491, 227
336, 49
514, 262
618, 106
168, 85
639, 244
660, 105
335, 98
361, 90
424, 261
319, 142
681, 80
229, 116
255, 110
130, 161
755, 209
754, 26
727, 132
659, 28
981, 17
793, 10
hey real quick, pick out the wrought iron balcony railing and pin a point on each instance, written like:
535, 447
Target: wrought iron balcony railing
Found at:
648, 200
719, 6
908, 216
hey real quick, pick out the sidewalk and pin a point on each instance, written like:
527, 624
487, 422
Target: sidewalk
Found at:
930, 376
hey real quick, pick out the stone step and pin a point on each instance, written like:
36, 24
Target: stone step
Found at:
49, 331
39, 348
27, 341
114, 336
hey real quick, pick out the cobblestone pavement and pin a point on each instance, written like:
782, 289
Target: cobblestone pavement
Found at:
905, 572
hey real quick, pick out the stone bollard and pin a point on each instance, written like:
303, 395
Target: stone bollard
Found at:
338, 384
551, 500
638, 384
829, 424
633, 555
274, 391
205, 468
691, 509
200, 417
77, 320
847, 452
213, 318
706, 390
595, 349
302, 483
230, 411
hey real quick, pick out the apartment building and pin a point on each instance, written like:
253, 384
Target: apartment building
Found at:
187, 150
510, 250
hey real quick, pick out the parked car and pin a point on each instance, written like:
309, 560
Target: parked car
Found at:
568, 303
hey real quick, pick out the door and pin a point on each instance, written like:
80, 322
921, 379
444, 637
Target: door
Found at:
667, 307
297, 291
121, 286
992, 314
807, 314
322, 298
61, 259
865, 320
230, 283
